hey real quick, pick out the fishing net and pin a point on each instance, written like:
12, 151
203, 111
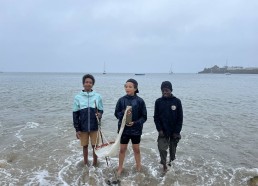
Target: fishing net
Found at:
109, 149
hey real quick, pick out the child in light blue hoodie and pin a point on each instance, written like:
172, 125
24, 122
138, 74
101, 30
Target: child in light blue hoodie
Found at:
87, 105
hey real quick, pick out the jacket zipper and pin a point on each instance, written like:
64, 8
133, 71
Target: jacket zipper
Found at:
88, 112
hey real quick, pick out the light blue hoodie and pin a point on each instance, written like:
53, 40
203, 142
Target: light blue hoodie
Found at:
85, 106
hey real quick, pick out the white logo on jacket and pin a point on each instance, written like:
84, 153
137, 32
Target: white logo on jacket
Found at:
173, 107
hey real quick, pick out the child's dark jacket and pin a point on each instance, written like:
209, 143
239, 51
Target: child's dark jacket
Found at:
168, 115
139, 113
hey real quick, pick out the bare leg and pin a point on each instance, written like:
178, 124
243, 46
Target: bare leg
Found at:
123, 148
137, 156
95, 157
85, 154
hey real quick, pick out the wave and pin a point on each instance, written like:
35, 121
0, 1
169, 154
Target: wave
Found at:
29, 125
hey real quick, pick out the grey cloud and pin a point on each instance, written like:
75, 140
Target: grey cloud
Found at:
66, 35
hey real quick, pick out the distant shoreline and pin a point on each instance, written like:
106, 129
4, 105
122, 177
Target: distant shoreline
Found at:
232, 70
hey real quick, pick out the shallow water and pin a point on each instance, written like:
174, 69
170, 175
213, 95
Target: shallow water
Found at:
219, 136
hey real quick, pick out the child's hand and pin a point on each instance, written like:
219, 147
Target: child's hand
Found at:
129, 112
99, 115
78, 135
130, 124
176, 136
161, 133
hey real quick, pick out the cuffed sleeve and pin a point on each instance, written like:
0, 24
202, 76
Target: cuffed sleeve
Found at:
143, 117
156, 117
179, 118
76, 120
100, 105
118, 113
76, 114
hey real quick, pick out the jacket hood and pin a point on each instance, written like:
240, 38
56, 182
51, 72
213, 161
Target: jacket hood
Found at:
83, 93
170, 97
130, 97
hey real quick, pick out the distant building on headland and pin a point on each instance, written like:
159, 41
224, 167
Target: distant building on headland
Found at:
233, 70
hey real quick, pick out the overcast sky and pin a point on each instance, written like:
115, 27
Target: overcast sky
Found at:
128, 36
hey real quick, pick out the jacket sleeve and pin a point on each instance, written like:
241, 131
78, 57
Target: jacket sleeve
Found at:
143, 114
119, 113
156, 116
100, 105
179, 118
76, 115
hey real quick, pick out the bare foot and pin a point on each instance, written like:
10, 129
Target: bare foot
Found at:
95, 162
85, 162
165, 168
170, 163
119, 171
138, 168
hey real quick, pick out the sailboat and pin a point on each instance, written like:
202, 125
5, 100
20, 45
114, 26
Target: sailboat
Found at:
104, 71
226, 67
170, 71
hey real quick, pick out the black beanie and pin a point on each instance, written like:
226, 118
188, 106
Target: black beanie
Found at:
134, 83
166, 84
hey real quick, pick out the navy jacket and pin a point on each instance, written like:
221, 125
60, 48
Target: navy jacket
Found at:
168, 115
139, 113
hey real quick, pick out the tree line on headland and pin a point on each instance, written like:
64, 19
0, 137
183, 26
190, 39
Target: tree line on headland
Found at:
233, 70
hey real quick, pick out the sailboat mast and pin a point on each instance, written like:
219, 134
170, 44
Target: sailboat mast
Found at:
104, 70
170, 71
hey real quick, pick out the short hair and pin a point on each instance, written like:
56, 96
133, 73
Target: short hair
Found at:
88, 76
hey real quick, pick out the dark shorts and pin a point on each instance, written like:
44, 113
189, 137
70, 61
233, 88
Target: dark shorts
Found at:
126, 138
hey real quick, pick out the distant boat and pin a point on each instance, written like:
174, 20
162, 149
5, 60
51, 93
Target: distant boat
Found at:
139, 74
171, 71
226, 68
104, 71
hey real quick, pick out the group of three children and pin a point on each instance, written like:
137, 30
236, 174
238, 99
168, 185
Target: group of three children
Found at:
168, 118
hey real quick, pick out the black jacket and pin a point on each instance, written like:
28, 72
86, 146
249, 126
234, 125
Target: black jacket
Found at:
139, 113
168, 115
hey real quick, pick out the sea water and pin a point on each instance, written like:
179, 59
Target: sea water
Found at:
38, 145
